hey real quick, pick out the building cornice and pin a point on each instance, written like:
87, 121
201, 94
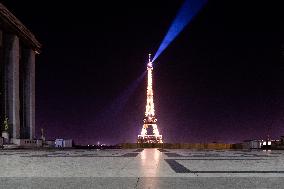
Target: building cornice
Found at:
20, 30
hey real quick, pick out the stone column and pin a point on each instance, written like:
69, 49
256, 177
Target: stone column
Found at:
28, 60
2, 105
11, 51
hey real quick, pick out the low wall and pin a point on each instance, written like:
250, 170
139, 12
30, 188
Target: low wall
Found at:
27, 142
184, 146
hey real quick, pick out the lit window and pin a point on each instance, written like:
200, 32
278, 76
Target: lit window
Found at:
264, 143
269, 143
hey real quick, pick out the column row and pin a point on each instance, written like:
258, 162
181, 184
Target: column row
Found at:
18, 86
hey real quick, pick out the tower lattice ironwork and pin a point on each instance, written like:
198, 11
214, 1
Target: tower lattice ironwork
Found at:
150, 132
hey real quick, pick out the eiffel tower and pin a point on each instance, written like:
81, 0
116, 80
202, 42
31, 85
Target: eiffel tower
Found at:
150, 132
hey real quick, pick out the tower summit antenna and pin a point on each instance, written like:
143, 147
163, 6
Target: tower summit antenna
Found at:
149, 65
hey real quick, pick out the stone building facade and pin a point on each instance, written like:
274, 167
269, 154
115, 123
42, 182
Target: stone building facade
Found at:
18, 48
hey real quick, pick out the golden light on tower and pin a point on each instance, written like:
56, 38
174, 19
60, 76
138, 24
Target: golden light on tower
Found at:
150, 121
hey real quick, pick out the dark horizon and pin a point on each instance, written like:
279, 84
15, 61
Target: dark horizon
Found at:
220, 80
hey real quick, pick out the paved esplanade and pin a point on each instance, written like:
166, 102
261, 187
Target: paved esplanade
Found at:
148, 168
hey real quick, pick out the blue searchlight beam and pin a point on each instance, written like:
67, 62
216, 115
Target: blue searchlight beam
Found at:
121, 100
187, 11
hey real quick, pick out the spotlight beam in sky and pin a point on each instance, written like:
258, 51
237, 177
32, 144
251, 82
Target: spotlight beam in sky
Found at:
185, 14
121, 100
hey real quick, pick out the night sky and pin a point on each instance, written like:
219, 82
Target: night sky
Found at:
221, 80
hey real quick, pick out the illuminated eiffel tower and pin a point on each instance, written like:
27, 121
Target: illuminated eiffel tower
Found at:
150, 132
